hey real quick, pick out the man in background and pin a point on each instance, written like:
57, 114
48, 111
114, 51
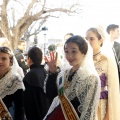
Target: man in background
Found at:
113, 31
19, 54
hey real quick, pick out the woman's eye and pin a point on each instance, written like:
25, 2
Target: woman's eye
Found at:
66, 51
91, 39
73, 51
3, 58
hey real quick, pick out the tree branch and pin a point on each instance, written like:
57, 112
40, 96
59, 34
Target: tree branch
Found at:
4, 20
29, 7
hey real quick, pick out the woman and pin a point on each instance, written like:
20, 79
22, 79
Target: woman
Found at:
11, 84
77, 88
106, 67
16, 67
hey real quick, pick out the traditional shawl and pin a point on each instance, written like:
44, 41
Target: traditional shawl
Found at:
10, 83
85, 85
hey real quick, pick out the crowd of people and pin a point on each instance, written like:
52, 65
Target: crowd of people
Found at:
86, 86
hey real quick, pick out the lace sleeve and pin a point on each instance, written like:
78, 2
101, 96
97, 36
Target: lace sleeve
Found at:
88, 95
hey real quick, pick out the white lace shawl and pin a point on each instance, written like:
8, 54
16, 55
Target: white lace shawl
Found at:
85, 85
10, 83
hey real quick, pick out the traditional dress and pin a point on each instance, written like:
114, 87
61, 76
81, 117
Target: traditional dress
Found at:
101, 66
11, 91
106, 67
78, 94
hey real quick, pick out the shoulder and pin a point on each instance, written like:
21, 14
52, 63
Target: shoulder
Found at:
116, 44
36, 71
17, 51
93, 80
14, 75
103, 60
35, 75
103, 57
100, 60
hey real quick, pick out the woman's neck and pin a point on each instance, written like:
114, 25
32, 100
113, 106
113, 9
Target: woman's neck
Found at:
75, 68
96, 52
3, 73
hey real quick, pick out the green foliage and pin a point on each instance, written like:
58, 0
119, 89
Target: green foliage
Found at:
52, 47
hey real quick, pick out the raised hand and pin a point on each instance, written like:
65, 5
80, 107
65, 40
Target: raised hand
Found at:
52, 61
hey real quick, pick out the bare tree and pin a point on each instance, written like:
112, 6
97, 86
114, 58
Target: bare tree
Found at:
15, 22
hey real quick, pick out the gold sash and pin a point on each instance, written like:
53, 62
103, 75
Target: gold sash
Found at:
67, 108
4, 113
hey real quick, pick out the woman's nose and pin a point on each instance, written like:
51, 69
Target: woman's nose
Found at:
0, 61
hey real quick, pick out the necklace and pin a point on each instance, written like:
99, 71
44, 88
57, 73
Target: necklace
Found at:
96, 54
71, 74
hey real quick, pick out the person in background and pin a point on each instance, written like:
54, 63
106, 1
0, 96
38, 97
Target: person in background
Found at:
20, 56
36, 102
11, 84
62, 60
78, 88
107, 69
68, 35
113, 31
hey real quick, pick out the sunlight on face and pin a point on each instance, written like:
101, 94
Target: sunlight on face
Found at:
4, 62
22, 46
93, 40
116, 33
73, 55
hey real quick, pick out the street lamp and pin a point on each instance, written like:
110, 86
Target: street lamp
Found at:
44, 29
35, 38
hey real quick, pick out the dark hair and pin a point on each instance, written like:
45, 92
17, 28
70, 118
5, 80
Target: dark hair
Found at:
35, 54
80, 42
7, 51
111, 27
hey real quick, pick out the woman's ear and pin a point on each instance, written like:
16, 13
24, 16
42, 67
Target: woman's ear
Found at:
11, 62
101, 42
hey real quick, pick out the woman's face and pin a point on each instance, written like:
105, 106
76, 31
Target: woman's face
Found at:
4, 62
73, 55
93, 40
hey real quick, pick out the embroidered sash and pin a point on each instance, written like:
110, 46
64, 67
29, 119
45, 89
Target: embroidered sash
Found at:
4, 113
67, 108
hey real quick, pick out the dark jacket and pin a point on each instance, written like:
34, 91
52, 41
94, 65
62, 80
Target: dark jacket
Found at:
35, 100
51, 87
17, 98
21, 60
117, 49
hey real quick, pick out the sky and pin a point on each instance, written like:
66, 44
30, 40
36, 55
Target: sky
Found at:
95, 13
